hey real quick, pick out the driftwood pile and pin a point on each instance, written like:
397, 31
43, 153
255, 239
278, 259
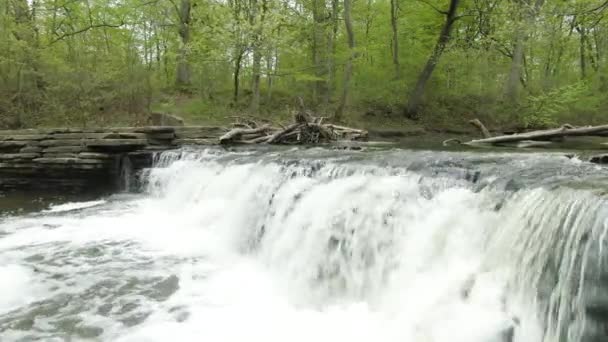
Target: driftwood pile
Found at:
533, 138
306, 129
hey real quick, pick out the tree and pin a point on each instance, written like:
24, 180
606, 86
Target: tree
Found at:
415, 97
348, 69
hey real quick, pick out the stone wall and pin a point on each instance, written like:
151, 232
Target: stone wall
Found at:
78, 159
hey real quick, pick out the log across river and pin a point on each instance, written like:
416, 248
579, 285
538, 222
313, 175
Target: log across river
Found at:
294, 244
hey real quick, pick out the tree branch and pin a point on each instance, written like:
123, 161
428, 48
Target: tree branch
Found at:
85, 29
434, 7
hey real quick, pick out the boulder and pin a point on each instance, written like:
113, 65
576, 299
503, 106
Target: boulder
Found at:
162, 119
599, 159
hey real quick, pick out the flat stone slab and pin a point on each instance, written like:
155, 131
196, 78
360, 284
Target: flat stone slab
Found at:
155, 129
116, 143
59, 155
64, 149
196, 141
67, 161
61, 142
161, 136
11, 156
33, 137
73, 136
12, 143
30, 149
94, 155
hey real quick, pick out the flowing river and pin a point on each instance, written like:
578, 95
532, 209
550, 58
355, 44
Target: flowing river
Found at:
307, 245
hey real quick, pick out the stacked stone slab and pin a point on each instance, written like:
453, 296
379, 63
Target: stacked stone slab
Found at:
73, 159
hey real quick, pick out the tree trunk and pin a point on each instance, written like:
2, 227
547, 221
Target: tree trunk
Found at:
395, 41
331, 52
583, 60
348, 70
318, 46
415, 98
183, 80
254, 105
237, 75
527, 15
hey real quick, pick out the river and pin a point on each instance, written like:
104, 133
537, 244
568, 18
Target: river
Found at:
316, 244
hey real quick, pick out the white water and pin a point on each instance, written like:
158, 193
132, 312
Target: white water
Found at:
270, 251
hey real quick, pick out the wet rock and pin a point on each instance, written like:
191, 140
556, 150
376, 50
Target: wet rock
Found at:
507, 335
88, 331
66, 324
164, 288
135, 319
104, 309
599, 159
23, 324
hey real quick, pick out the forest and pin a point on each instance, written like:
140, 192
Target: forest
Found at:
511, 63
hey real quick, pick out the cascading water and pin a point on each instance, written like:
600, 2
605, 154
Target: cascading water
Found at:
319, 245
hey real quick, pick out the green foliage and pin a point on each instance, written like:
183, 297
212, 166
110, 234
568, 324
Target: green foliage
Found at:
545, 109
108, 62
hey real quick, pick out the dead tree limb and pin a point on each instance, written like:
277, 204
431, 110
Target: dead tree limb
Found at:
278, 135
238, 132
564, 131
485, 133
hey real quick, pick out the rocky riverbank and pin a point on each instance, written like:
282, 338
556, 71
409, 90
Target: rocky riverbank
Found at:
77, 159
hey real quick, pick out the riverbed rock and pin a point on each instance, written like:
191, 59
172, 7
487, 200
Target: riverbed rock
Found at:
599, 159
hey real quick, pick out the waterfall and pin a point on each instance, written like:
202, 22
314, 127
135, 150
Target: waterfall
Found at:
320, 245
525, 260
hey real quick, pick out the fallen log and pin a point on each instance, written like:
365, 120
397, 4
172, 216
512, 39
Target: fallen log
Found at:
238, 132
549, 134
278, 135
305, 129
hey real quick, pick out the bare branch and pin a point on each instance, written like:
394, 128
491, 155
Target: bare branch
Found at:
434, 7
85, 29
